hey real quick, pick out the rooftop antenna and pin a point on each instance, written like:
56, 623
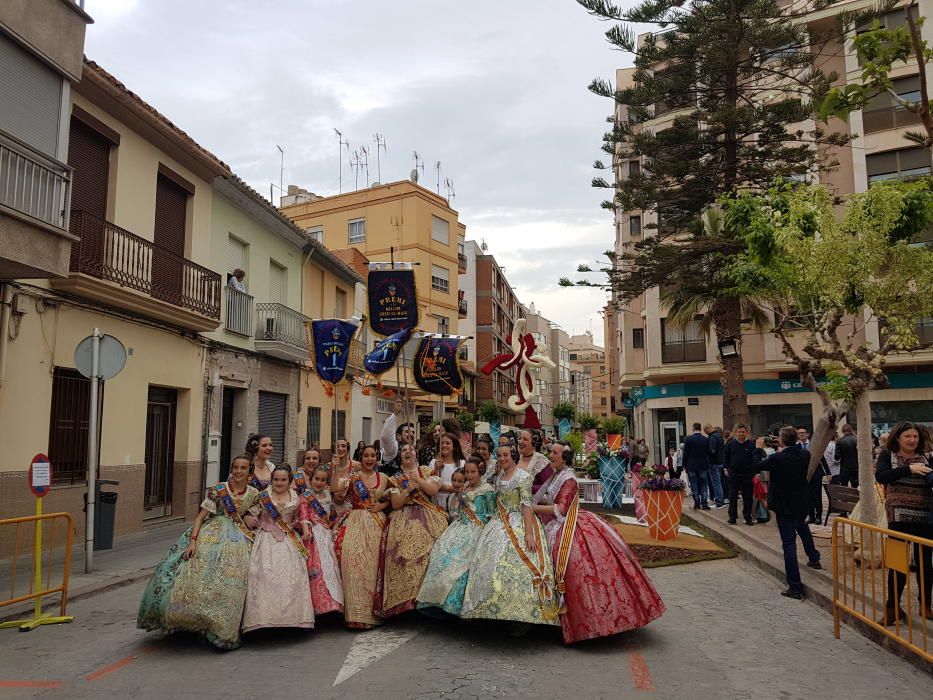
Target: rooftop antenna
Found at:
281, 171
341, 142
380, 142
449, 186
483, 245
364, 162
419, 164
437, 167
355, 164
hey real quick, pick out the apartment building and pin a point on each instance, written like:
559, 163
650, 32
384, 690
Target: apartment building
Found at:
408, 223
668, 377
591, 376
497, 307
547, 379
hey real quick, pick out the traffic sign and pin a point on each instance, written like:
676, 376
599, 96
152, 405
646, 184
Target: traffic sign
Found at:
112, 358
40, 475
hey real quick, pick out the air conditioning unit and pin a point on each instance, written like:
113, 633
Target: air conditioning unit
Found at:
270, 328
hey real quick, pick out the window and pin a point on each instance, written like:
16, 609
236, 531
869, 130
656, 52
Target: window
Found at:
316, 233
638, 337
278, 285
440, 230
440, 278
682, 344
634, 168
602, 400
340, 304
68, 425
236, 255
338, 426
883, 112
634, 226
356, 229
905, 162
30, 98
461, 247
314, 427
443, 324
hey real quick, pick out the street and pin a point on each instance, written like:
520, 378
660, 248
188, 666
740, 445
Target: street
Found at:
726, 634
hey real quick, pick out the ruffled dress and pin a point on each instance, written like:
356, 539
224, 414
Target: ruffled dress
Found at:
323, 568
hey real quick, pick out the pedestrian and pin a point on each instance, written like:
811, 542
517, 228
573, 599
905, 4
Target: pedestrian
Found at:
832, 464
815, 485
847, 455
905, 469
739, 462
641, 451
670, 464
317, 514
716, 458
696, 462
787, 498
358, 452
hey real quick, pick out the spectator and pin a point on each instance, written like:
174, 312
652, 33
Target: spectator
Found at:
641, 451
832, 464
847, 456
716, 458
358, 452
670, 464
696, 461
815, 486
787, 498
905, 470
740, 464
680, 459
235, 281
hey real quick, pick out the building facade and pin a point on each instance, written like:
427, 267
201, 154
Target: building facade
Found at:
668, 377
589, 367
497, 307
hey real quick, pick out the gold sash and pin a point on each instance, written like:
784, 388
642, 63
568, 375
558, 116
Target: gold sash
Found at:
563, 552
541, 579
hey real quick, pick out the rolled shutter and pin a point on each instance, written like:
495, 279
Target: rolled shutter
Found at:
272, 409
89, 155
236, 255
30, 98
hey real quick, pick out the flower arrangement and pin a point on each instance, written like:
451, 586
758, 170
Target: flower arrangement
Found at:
660, 483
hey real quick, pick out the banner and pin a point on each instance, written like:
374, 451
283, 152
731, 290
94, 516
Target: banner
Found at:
330, 344
392, 302
386, 352
437, 369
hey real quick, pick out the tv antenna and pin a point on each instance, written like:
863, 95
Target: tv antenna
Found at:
281, 169
419, 164
380, 142
449, 186
364, 162
437, 168
341, 142
355, 165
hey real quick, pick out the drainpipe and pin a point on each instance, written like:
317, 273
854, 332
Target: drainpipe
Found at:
6, 307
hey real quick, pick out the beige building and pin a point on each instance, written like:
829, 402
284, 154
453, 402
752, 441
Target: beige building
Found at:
668, 377
592, 377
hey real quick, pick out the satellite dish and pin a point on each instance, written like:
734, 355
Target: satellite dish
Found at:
414, 175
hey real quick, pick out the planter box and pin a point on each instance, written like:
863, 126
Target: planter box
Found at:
612, 476
663, 510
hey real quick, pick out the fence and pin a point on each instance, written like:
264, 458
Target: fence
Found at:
864, 557
34, 184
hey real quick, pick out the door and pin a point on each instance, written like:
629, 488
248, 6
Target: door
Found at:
272, 409
160, 451
671, 436
171, 214
89, 155
226, 433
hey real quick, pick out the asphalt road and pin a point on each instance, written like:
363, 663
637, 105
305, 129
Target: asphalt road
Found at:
726, 634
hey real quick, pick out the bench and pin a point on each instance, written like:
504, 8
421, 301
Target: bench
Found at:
842, 499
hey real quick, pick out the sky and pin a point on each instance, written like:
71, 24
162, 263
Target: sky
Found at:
493, 89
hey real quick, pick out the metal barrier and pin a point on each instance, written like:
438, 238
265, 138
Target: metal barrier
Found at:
866, 559
40, 548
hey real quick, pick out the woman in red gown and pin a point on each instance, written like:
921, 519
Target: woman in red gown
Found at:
603, 588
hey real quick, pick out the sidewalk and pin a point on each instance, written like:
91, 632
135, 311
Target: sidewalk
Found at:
133, 557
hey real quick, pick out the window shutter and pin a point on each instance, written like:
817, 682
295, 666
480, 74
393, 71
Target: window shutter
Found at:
89, 155
440, 230
236, 255
272, 408
277, 287
30, 98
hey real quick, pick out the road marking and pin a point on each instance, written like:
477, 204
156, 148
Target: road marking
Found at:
641, 676
370, 646
30, 684
116, 665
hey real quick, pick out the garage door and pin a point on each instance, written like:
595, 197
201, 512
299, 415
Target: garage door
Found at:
272, 408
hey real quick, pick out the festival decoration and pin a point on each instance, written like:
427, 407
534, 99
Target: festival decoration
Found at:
436, 367
495, 431
393, 305
664, 500
563, 428
524, 358
384, 356
330, 347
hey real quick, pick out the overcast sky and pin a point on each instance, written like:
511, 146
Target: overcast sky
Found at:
494, 89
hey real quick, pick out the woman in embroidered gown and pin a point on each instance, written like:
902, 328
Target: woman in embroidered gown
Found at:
358, 538
201, 585
341, 467
531, 460
259, 447
414, 526
511, 575
605, 590
277, 593
446, 579
317, 514
310, 461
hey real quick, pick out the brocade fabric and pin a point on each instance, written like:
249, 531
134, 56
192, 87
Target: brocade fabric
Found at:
323, 568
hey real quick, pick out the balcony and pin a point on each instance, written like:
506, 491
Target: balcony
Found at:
239, 312
462, 308
686, 351
280, 332
113, 266
35, 191
461, 263
357, 352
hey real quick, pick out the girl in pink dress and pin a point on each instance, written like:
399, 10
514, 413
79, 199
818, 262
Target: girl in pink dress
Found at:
602, 586
317, 515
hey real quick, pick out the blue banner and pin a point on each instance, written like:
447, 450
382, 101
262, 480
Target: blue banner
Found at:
392, 302
386, 352
331, 346
437, 369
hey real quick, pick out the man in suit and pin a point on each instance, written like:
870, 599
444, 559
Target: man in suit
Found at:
788, 498
847, 456
696, 461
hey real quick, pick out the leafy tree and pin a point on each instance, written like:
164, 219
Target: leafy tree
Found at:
836, 275
490, 412
734, 81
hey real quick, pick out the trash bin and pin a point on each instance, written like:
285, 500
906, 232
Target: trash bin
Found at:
105, 513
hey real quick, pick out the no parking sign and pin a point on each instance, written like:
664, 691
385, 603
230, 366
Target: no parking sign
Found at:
40, 475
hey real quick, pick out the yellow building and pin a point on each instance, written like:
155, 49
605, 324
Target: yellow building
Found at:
411, 223
592, 376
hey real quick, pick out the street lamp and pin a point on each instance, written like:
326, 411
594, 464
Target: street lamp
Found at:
728, 347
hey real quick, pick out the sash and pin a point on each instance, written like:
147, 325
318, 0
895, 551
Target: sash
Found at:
467, 511
318, 509
563, 552
230, 506
266, 501
363, 493
299, 482
540, 578
417, 496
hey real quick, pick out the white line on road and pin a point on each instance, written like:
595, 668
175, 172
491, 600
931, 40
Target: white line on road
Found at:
370, 646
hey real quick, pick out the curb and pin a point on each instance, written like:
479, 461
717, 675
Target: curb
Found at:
819, 584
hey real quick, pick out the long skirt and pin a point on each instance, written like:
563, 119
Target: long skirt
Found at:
277, 593
404, 554
607, 591
357, 548
445, 582
324, 571
206, 594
